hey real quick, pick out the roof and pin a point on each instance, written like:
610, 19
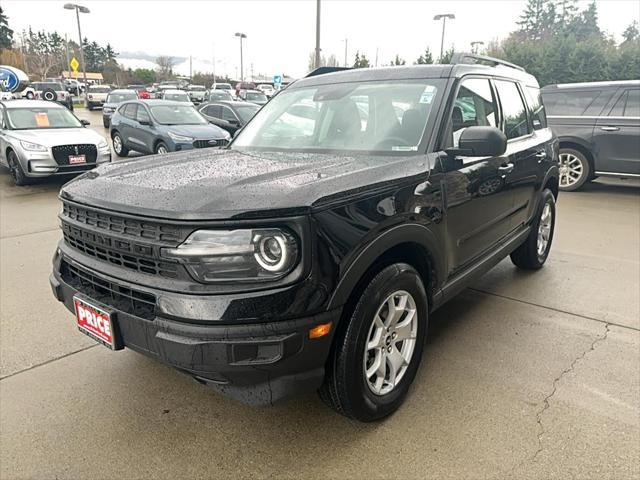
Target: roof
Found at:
155, 102
230, 103
173, 91
124, 90
414, 72
586, 85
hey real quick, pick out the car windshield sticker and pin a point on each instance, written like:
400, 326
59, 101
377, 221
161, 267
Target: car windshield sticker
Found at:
42, 119
427, 95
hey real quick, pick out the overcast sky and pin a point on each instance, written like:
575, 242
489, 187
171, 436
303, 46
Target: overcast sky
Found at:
281, 33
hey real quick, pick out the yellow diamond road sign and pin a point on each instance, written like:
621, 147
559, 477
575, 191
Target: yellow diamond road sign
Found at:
74, 64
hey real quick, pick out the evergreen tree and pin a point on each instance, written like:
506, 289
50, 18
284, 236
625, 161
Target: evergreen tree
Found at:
397, 61
6, 34
631, 34
426, 58
360, 61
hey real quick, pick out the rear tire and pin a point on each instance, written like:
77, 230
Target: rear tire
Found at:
49, 95
118, 145
375, 357
15, 169
533, 253
575, 169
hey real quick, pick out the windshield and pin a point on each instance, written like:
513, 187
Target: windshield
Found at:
366, 116
246, 112
177, 115
220, 96
121, 97
222, 86
259, 97
41, 118
177, 97
197, 88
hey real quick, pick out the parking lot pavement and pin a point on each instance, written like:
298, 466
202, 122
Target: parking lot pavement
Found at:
524, 375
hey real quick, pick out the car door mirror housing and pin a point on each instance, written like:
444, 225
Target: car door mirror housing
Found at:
85, 123
480, 142
145, 122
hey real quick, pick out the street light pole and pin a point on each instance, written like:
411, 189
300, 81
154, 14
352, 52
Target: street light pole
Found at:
346, 41
241, 36
443, 17
78, 9
317, 60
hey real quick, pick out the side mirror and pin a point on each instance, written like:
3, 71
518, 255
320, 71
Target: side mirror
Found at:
235, 123
480, 142
85, 123
145, 122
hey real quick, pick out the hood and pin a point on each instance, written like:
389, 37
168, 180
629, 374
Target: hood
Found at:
223, 184
58, 136
199, 132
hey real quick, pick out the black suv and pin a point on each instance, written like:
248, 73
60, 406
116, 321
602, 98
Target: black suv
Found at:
598, 126
311, 252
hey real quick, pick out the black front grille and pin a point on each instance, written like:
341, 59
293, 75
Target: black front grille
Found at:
128, 300
61, 153
124, 253
123, 226
210, 143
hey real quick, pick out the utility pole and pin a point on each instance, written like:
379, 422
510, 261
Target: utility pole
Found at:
317, 60
443, 17
376, 56
190, 68
66, 49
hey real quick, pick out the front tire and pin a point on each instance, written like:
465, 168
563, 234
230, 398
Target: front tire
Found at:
575, 169
118, 145
376, 356
17, 174
533, 253
161, 149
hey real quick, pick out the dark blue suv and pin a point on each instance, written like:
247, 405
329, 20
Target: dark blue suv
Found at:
160, 126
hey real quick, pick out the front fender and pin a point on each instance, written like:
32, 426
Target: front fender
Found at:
406, 233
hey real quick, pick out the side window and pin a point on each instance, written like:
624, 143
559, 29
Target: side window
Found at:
569, 103
142, 115
513, 110
214, 111
632, 108
228, 115
534, 99
618, 108
474, 106
129, 110
2, 124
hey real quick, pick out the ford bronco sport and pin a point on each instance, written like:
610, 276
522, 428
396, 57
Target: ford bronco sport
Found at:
310, 253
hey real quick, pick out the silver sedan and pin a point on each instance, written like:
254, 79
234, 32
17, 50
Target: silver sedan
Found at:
40, 139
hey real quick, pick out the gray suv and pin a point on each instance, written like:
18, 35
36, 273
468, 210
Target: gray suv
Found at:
598, 125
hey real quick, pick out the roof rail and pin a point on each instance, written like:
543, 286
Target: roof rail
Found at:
323, 70
463, 57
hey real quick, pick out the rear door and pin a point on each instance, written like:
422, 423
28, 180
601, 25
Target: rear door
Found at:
616, 135
145, 133
526, 147
479, 207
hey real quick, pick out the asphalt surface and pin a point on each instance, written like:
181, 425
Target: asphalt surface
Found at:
525, 375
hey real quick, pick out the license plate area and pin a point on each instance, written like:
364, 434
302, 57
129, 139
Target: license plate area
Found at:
97, 322
77, 159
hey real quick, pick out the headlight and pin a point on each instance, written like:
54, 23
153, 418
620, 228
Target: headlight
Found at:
227, 135
180, 138
33, 147
237, 255
107, 110
103, 144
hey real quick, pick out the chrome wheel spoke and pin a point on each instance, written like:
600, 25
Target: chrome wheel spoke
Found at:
391, 342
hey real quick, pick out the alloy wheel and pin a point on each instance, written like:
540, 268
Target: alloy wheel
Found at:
117, 143
391, 342
162, 150
571, 169
544, 229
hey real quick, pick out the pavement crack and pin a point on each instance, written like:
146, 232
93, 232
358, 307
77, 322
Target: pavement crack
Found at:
556, 381
47, 362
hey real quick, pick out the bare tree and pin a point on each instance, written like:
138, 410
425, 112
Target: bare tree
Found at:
165, 67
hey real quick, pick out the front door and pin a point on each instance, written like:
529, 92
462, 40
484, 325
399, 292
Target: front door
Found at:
478, 203
616, 136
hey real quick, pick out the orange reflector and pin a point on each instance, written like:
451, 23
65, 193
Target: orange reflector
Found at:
320, 330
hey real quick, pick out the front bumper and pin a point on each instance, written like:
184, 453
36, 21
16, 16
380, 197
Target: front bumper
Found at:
258, 364
42, 164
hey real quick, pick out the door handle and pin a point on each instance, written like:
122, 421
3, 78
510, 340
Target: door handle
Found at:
610, 129
504, 169
541, 156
